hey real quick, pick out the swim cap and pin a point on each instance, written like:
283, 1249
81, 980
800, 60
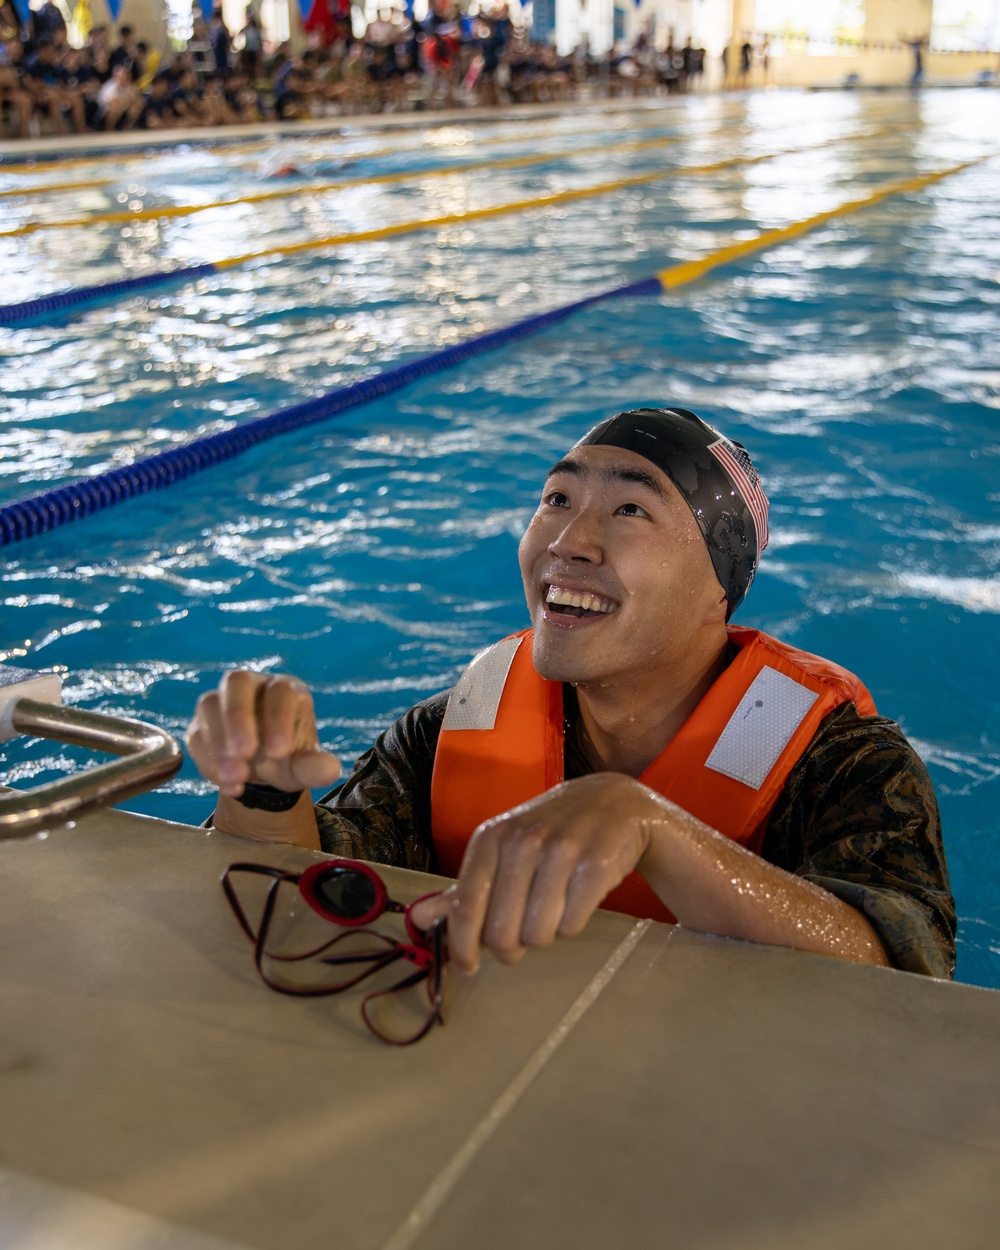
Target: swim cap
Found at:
714, 475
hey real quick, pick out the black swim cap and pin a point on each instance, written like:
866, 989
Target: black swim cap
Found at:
716, 478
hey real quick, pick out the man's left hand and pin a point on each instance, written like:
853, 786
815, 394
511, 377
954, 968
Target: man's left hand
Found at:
541, 869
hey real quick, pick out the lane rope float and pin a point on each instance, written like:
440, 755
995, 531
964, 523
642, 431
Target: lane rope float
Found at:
14, 314
41, 513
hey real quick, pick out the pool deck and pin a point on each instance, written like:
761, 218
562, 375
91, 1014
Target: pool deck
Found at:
639, 1085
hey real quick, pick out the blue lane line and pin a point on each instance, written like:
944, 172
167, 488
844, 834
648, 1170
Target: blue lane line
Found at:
40, 513
14, 314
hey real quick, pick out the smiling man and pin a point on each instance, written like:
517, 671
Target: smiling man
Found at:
631, 750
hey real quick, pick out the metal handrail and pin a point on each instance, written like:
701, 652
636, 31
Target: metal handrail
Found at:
151, 757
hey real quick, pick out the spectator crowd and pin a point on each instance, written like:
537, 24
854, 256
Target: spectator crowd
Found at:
220, 79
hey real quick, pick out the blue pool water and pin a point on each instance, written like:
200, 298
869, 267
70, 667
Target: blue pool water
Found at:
373, 555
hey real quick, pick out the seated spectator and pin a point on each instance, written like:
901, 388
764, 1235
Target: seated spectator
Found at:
354, 74
98, 51
159, 111
291, 100
119, 102
127, 53
44, 79
185, 100
82, 81
47, 22
15, 100
242, 98
215, 110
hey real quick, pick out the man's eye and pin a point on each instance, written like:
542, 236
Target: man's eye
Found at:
631, 509
556, 499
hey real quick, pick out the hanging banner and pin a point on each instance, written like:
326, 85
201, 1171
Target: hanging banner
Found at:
543, 20
83, 19
114, 8
206, 8
23, 10
319, 18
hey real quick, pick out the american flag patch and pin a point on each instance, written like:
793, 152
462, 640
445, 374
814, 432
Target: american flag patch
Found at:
737, 464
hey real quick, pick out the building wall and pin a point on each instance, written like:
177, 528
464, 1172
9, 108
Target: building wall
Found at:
880, 63
875, 69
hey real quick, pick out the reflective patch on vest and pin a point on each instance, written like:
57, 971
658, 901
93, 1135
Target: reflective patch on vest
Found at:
475, 701
761, 727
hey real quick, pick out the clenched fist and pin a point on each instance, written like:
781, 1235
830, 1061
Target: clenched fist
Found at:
259, 728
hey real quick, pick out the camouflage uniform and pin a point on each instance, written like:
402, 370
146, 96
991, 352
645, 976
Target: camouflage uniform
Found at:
857, 816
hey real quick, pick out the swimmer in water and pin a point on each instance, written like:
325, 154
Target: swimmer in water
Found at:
280, 165
632, 750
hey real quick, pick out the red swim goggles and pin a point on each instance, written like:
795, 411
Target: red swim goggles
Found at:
352, 896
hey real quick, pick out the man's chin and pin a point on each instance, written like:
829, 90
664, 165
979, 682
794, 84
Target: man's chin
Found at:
559, 663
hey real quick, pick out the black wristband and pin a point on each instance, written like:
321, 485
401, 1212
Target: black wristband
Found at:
269, 798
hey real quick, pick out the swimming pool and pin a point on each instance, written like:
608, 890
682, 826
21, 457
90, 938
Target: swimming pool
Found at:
375, 554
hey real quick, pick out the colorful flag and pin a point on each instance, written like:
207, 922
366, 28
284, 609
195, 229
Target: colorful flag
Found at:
83, 19
735, 460
114, 8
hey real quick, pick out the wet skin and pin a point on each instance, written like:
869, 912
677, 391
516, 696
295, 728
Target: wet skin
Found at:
641, 654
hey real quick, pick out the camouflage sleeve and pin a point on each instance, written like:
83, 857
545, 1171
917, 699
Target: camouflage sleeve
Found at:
858, 816
382, 812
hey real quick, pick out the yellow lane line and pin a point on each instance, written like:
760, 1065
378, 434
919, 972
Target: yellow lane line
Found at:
170, 212
58, 186
498, 210
689, 271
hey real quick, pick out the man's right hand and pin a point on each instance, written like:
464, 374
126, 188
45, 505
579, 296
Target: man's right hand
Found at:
259, 728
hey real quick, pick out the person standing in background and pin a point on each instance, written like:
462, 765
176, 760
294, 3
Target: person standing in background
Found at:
220, 41
253, 46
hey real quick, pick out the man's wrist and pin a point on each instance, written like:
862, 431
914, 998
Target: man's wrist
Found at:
267, 798
295, 826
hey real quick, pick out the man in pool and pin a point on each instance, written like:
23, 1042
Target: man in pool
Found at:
632, 750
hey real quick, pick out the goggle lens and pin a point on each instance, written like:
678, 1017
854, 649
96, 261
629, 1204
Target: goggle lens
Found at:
346, 893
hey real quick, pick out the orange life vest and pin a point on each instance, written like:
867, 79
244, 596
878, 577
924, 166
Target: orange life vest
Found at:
501, 744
